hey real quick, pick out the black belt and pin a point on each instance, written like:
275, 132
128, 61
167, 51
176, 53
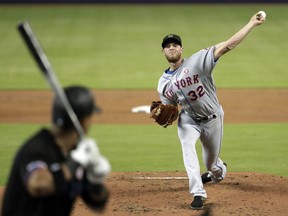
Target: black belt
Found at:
206, 118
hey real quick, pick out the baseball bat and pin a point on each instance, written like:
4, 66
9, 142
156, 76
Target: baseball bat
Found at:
47, 70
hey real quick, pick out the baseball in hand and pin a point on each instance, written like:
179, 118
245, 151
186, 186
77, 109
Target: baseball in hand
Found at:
261, 14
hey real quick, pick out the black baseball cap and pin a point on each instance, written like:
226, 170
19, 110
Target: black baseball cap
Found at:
171, 38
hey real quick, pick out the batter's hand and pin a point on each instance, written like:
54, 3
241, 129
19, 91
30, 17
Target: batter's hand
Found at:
86, 152
98, 170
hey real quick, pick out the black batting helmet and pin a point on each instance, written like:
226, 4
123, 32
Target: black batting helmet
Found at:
81, 101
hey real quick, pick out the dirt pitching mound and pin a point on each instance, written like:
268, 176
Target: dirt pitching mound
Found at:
166, 193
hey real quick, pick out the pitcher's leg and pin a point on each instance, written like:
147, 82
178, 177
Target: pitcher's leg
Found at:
188, 135
211, 139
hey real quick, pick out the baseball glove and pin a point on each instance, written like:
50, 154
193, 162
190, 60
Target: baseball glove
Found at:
163, 114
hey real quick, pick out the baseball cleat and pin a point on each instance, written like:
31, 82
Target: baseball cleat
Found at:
206, 177
197, 203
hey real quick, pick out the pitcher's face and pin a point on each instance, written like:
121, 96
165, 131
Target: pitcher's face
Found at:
172, 52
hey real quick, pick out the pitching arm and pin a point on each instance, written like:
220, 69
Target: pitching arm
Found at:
237, 38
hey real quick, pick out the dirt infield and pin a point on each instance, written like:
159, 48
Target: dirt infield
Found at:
166, 193
240, 106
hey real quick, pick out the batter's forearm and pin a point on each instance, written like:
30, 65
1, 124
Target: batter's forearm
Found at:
42, 182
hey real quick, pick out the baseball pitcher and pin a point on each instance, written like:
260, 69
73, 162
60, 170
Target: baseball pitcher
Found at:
188, 82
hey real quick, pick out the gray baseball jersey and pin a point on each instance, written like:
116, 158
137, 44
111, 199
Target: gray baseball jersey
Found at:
192, 85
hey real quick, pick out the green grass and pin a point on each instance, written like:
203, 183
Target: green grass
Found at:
258, 148
118, 47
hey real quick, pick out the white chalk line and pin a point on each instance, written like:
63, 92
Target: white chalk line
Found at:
160, 178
